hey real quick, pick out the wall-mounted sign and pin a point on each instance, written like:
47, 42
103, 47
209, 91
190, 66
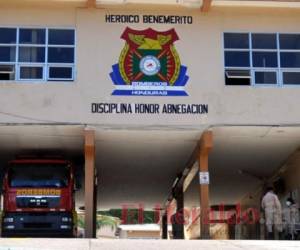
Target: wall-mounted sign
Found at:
38, 192
204, 178
161, 19
149, 108
149, 65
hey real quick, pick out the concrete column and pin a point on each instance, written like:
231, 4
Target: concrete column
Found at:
90, 184
205, 147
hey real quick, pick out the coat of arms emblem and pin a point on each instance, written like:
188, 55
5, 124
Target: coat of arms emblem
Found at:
149, 65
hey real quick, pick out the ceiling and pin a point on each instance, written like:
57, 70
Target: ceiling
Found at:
240, 155
140, 165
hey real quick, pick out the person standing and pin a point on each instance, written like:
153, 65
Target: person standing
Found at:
291, 217
177, 220
273, 212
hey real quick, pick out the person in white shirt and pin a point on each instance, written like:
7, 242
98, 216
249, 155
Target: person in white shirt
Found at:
273, 213
291, 218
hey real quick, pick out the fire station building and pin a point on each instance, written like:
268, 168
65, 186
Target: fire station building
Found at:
182, 103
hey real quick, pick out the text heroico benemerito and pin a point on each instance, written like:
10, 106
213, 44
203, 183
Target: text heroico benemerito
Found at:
159, 19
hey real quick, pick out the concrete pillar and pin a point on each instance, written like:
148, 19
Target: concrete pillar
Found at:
90, 184
205, 147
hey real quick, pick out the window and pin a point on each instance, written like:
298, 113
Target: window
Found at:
31, 54
262, 77
61, 50
37, 54
264, 41
290, 59
262, 59
8, 36
236, 41
39, 175
7, 72
31, 73
291, 77
7, 53
237, 59
60, 73
33, 36
61, 37
289, 41
237, 77
57, 55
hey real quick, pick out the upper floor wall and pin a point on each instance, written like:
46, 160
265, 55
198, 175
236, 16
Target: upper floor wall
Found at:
115, 48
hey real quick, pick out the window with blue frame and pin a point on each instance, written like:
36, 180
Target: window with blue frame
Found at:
37, 54
269, 59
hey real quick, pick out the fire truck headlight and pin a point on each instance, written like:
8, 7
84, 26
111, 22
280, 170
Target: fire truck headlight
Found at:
66, 219
9, 227
65, 227
8, 219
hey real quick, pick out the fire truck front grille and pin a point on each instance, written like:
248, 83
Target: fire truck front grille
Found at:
37, 225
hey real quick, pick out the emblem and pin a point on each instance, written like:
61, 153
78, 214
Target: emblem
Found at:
149, 65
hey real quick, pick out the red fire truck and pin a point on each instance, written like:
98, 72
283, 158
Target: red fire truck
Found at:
38, 198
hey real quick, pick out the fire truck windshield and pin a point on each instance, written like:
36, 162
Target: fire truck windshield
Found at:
38, 175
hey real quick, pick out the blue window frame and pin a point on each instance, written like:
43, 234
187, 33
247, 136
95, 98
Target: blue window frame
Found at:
272, 59
37, 54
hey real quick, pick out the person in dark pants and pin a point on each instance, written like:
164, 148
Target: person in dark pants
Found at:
177, 225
